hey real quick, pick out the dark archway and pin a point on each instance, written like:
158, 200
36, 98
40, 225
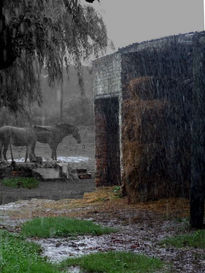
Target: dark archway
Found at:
107, 142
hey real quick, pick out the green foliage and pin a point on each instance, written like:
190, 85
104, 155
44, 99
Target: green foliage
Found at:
194, 239
24, 182
61, 227
115, 262
117, 191
46, 34
19, 256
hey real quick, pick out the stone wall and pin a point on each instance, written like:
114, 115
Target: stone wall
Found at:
107, 75
107, 90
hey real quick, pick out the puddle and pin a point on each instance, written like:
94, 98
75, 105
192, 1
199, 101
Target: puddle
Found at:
7, 209
11, 206
56, 249
72, 159
6, 221
65, 159
75, 269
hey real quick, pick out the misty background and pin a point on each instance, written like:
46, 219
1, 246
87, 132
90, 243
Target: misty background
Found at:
77, 107
127, 22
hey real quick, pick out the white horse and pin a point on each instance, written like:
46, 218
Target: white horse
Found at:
53, 135
10, 135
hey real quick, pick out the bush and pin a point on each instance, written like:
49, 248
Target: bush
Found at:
24, 182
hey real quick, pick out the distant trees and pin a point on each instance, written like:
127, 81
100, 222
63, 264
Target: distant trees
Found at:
43, 33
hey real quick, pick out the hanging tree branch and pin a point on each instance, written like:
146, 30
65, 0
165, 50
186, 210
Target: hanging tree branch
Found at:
35, 35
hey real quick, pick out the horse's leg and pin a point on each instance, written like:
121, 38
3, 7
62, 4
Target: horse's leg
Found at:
52, 153
53, 149
26, 155
12, 157
31, 153
1, 145
33, 150
5, 151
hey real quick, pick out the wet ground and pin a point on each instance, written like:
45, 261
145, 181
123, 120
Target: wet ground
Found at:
54, 190
140, 228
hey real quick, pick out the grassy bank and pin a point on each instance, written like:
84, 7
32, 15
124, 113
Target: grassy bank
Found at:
115, 262
18, 256
61, 227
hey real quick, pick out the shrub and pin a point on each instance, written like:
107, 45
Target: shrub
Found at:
24, 182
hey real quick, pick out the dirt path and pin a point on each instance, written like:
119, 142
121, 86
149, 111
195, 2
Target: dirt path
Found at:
140, 226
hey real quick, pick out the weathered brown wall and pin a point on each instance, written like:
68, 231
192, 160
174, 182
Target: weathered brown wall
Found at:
156, 120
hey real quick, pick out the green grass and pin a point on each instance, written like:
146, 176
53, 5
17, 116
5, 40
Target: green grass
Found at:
115, 262
61, 227
18, 256
24, 182
195, 239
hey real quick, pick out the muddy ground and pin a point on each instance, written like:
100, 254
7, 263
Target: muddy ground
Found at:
53, 190
140, 227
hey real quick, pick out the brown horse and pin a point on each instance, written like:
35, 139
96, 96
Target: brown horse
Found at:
18, 137
53, 135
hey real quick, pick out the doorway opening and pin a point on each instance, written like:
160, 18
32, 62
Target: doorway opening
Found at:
107, 142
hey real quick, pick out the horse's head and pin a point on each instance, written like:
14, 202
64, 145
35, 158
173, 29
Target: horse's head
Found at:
76, 135
70, 129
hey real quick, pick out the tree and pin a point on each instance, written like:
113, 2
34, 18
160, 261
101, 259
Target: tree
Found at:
44, 34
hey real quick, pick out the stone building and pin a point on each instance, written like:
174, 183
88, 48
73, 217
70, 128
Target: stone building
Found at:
145, 98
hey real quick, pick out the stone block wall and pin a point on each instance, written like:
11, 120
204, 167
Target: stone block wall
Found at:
107, 79
107, 89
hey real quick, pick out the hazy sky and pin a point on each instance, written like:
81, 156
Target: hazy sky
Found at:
130, 21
